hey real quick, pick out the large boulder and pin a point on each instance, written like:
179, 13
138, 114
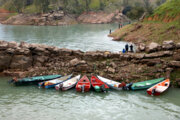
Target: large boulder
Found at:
21, 62
22, 51
142, 47
13, 44
38, 49
168, 45
76, 62
3, 45
111, 70
153, 47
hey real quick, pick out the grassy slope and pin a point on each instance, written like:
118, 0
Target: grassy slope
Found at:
170, 9
154, 30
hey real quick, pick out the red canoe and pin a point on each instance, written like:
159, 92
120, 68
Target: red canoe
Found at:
159, 88
83, 84
98, 85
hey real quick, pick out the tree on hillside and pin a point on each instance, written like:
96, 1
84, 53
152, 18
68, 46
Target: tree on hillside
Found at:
148, 6
159, 2
125, 3
65, 3
29, 2
87, 4
42, 5
102, 4
19, 5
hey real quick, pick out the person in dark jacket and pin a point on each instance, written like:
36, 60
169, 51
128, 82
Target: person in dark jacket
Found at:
131, 48
127, 47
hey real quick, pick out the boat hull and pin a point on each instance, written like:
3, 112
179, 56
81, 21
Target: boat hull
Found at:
112, 84
83, 82
35, 80
159, 88
98, 85
146, 84
68, 84
53, 83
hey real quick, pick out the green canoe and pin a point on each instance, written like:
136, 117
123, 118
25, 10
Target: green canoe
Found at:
145, 84
34, 80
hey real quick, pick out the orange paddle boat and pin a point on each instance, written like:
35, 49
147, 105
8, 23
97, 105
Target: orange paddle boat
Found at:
159, 88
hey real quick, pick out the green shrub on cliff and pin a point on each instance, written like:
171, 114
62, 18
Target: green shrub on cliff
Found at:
75, 6
170, 9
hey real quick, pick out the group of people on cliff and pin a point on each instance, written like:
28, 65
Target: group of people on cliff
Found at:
128, 48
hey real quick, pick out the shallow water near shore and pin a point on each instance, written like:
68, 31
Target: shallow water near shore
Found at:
84, 37
30, 102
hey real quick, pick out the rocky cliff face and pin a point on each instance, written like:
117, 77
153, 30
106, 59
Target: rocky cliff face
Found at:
58, 18
54, 19
152, 61
102, 17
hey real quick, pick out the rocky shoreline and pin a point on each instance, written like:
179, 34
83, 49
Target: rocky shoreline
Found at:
150, 61
58, 18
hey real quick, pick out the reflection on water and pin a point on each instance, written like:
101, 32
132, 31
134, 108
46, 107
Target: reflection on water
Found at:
30, 102
83, 37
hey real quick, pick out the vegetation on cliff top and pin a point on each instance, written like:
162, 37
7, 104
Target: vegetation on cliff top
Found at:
154, 29
134, 8
170, 9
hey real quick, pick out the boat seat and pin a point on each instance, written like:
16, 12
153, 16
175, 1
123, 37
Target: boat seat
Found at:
161, 88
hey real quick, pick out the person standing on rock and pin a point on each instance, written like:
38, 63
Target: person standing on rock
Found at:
131, 48
127, 47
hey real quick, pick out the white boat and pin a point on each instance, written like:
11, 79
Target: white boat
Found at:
112, 84
52, 83
68, 84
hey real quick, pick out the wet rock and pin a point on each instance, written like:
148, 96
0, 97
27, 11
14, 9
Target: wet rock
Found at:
21, 62
153, 47
13, 45
174, 64
65, 52
3, 45
168, 45
159, 54
10, 51
22, 51
111, 70
24, 45
76, 61
142, 47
